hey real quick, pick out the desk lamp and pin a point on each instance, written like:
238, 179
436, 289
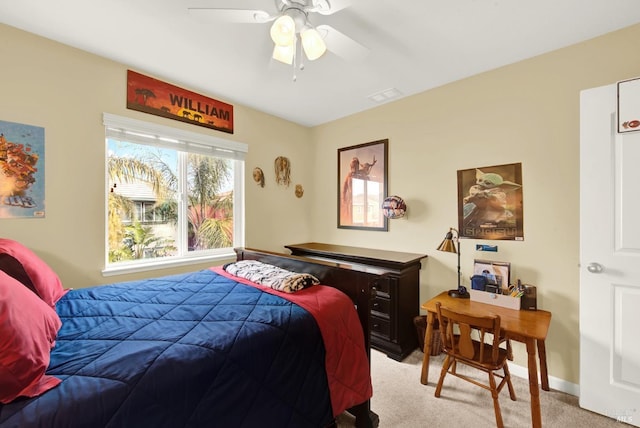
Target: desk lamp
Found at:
448, 245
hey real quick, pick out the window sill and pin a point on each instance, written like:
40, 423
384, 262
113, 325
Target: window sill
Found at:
126, 268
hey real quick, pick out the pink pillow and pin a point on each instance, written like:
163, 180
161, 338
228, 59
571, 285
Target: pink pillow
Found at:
28, 330
45, 281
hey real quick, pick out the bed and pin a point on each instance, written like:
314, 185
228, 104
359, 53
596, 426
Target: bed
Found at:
206, 349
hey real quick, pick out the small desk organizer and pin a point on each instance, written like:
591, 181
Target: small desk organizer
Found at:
495, 299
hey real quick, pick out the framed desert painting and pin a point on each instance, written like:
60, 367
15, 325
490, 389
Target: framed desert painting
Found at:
490, 202
362, 186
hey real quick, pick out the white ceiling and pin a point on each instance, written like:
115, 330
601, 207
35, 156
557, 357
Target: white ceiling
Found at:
414, 45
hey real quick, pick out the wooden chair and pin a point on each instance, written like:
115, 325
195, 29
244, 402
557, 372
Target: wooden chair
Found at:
481, 352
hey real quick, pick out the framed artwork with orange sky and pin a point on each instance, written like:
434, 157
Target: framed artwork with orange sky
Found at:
362, 186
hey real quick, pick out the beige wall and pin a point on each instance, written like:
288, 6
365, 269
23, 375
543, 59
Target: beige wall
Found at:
527, 112
66, 91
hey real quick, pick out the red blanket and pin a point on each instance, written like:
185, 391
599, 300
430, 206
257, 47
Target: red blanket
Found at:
346, 359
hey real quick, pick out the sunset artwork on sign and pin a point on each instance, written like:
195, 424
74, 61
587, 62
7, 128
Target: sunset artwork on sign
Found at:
153, 96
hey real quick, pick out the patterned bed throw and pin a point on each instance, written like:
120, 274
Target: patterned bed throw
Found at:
271, 276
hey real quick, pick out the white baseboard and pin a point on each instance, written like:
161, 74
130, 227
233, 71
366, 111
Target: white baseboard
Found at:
554, 382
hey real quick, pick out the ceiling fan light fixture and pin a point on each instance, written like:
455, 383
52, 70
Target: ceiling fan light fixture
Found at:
312, 43
283, 53
283, 31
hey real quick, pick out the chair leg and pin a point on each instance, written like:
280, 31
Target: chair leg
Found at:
496, 404
507, 376
445, 368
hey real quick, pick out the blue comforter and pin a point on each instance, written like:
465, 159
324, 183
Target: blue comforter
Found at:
192, 350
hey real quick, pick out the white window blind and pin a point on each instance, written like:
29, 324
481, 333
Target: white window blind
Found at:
136, 131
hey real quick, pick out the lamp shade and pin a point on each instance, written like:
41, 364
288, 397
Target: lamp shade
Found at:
283, 53
283, 31
312, 43
447, 245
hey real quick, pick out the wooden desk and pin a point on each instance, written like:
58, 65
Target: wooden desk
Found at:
529, 327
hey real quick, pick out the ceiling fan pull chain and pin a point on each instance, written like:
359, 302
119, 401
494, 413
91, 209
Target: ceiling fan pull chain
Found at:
299, 55
295, 58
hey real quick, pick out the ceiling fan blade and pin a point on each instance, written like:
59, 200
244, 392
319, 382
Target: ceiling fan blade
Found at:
242, 16
328, 7
341, 44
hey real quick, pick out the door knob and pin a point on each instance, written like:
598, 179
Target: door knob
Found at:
595, 267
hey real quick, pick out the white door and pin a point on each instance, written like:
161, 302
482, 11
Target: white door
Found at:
609, 260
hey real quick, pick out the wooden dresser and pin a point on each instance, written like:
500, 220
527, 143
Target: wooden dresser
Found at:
396, 300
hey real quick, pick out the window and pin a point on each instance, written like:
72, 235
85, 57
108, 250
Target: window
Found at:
173, 196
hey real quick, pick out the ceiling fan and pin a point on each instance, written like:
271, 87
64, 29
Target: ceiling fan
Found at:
291, 25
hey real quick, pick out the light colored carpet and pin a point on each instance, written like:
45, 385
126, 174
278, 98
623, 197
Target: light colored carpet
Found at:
400, 400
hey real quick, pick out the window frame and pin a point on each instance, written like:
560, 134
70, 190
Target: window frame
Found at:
140, 132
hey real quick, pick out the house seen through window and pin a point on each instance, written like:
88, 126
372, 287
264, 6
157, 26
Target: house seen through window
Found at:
172, 195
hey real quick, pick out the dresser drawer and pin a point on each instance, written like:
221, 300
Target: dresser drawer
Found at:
380, 326
383, 286
381, 305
